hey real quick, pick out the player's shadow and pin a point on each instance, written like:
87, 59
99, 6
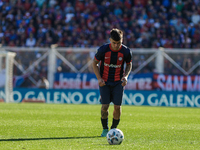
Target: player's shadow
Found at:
51, 138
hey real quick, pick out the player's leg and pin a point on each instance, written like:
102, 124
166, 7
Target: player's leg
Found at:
105, 101
116, 116
117, 94
104, 115
104, 119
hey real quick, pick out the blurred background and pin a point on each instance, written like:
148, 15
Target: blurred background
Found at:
55, 40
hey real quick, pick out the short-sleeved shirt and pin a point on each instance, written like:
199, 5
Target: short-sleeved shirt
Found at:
112, 62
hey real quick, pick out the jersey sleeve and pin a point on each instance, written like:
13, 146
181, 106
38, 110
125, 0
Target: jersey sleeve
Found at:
128, 57
98, 56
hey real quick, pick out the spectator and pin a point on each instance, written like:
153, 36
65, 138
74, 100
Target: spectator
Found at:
27, 5
68, 8
37, 17
43, 83
195, 17
69, 16
31, 41
40, 3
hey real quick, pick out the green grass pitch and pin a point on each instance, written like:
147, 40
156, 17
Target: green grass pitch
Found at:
78, 127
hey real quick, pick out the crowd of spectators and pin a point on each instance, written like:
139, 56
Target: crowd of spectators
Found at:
86, 23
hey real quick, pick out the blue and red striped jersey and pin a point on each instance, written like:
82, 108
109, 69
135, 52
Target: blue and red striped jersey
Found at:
112, 62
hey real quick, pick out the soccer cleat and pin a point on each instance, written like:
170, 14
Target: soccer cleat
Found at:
104, 132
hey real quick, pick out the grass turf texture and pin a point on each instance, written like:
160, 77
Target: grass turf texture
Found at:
68, 126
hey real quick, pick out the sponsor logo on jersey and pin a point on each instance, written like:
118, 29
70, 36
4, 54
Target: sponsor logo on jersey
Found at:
112, 66
120, 58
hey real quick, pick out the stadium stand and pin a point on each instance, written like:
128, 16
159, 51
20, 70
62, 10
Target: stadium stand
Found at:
86, 24
146, 23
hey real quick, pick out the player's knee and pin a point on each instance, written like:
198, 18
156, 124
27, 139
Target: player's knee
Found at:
117, 107
104, 107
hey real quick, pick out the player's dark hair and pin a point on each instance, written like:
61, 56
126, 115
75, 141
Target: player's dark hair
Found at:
116, 34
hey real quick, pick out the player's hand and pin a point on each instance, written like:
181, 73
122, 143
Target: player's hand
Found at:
124, 81
101, 82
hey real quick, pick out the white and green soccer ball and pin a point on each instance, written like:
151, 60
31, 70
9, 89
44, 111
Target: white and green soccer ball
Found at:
115, 137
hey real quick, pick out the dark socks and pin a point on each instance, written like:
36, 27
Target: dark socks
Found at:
115, 123
104, 123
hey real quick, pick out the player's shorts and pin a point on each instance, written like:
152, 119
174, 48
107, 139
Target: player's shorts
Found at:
112, 92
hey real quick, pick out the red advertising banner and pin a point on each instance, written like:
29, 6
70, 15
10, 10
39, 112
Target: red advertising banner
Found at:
89, 81
149, 81
176, 82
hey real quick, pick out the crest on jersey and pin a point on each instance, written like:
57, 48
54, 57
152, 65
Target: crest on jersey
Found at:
120, 58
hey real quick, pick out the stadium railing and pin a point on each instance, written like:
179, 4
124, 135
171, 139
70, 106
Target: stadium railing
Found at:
36, 61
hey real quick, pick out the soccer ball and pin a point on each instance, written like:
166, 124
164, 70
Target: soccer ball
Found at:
115, 137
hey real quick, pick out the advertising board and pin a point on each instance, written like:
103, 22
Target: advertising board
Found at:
131, 97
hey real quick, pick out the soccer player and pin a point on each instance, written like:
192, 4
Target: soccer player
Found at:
111, 76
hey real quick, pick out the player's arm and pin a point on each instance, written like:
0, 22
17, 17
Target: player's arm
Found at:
126, 73
97, 73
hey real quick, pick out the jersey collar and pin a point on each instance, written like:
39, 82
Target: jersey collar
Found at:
115, 50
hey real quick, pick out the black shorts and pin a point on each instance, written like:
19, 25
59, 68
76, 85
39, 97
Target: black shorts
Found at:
112, 92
